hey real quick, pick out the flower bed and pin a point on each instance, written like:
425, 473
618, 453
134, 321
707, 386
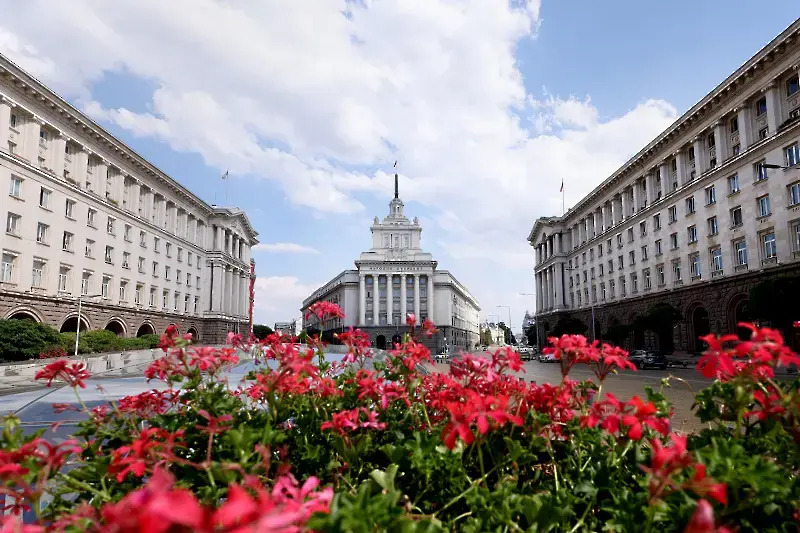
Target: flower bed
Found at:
305, 444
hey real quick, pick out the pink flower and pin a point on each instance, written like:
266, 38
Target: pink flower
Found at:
73, 373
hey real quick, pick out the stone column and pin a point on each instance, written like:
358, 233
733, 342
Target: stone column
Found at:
31, 149
403, 304
699, 156
623, 198
234, 292
375, 300
634, 207
416, 296
538, 278
245, 294
773, 107
390, 299
99, 175
58, 146
545, 289
431, 298
680, 165
219, 287
721, 141
5, 121
362, 299
745, 137
559, 292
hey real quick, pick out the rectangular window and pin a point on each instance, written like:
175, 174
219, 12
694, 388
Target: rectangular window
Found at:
711, 195
104, 286
44, 198
189, 258
658, 247
691, 233
763, 206
38, 273
123, 288
178, 275
67, 241
197, 282
761, 106
152, 296
89, 248
791, 155
736, 216
694, 265
126, 258
673, 214
110, 225
660, 278
86, 281
634, 283
740, 248
109, 255
657, 222
792, 85
760, 171
644, 253
630, 234
156, 243
734, 124
137, 295
42, 232
763, 133
155, 269
770, 247
180, 254
673, 239
165, 299
63, 278
13, 223
90, 216
713, 228
143, 239
646, 278
188, 279
690, 205
166, 272
620, 262
643, 228
69, 209
733, 184
140, 266
127, 233
716, 259
14, 122
794, 194
168, 249
676, 271
7, 269
15, 189
631, 257
176, 299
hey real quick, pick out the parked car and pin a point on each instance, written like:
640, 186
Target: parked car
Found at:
648, 359
547, 358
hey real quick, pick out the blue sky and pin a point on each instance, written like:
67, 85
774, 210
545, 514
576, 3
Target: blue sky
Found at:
486, 105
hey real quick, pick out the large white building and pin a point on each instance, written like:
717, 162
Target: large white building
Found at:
696, 218
86, 215
394, 278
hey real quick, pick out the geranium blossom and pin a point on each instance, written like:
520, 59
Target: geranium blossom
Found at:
74, 374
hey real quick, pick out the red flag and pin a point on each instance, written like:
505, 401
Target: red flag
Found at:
562, 186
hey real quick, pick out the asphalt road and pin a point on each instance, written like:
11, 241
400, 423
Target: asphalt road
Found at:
684, 383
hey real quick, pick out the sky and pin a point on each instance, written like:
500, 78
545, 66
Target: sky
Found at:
487, 105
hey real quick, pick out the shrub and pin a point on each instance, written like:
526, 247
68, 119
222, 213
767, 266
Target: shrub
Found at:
101, 340
304, 443
54, 352
67, 341
25, 339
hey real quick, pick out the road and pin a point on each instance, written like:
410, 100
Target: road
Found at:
683, 385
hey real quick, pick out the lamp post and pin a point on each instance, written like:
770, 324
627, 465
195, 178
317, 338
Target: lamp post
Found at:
509, 321
591, 303
80, 302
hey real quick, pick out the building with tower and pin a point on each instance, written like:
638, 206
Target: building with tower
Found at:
396, 277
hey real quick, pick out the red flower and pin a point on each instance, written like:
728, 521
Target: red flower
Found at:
702, 521
12, 523
458, 427
344, 422
411, 320
428, 328
716, 361
152, 447
72, 373
572, 349
324, 311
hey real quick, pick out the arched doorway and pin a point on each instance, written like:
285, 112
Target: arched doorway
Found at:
380, 342
145, 329
71, 324
23, 315
737, 313
396, 339
700, 327
193, 332
116, 327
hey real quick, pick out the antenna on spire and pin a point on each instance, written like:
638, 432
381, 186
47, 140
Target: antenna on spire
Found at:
396, 187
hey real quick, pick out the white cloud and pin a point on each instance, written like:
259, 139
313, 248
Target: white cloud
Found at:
303, 96
285, 247
278, 298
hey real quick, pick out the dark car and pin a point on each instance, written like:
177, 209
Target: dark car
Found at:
648, 359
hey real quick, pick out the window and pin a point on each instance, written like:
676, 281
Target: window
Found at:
694, 265
599, 252
711, 195
740, 248
152, 296
630, 234
760, 171
140, 266
7, 269
155, 269
90, 217
104, 285
713, 228
186, 303
197, 282
643, 228
188, 279
601, 267
761, 106
794, 193
619, 240
42, 232
716, 259
86, 280
43, 136
14, 122
69, 209
631, 257
197, 303
610, 265
690, 205
137, 295
734, 124
63, 278
660, 279
691, 233
166, 272
110, 225
123, 286
673, 239
736, 148
657, 222
13, 223
611, 288
165, 299
676, 271
189, 256
143, 239
44, 198
646, 278
634, 283
736, 216
180, 254
175, 301
89, 248
67, 241
792, 85
15, 189
109, 255
38, 272
620, 262
763, 206
644, 253
763, 133
673, 214
156, 243
168, 249
126, 258
179, 275
127, 233
658, 247
791, 155
733, 184
770, 248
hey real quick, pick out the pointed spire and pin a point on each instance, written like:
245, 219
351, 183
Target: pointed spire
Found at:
396, 187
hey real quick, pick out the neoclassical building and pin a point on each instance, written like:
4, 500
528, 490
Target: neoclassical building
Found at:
86, 216
705, 211
394, 278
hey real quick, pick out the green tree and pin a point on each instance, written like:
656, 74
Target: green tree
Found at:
776, 301
261, 331
570, 325
660, 318
25, 339
486, 336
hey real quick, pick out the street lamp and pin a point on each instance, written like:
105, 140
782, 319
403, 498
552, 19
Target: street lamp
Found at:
509, 321
591, 303
80, 302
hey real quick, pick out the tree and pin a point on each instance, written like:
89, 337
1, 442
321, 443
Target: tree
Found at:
570, 325
530, 335
25, 339
776, 301
486, 336
261, 331
660, 318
